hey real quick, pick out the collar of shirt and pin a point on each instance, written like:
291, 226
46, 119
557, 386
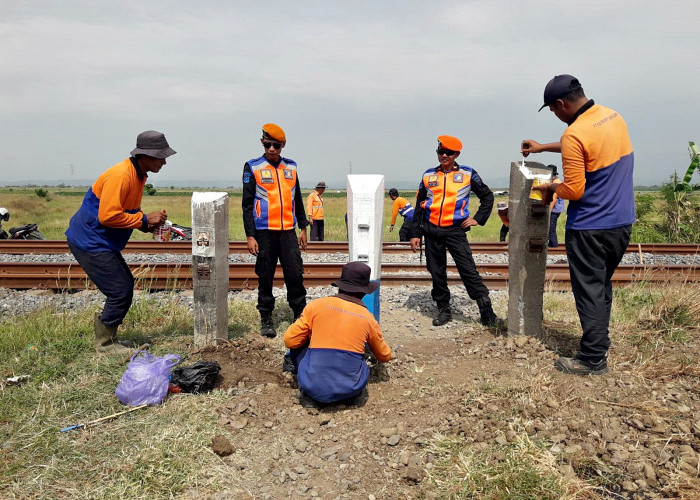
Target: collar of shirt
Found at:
350, 298
272, 162
454, 167
139, 173
582, 110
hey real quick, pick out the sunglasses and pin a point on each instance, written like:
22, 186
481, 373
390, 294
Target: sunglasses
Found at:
448, 152
276, 145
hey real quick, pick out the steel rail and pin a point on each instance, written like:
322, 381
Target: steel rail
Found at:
19, 247
175, 276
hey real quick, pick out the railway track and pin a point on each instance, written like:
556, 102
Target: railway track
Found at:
18, 247
172, 276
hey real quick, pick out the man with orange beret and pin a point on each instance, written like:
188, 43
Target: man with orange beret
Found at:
272, 209
442, 216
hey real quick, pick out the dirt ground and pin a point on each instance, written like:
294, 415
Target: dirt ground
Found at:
628, 433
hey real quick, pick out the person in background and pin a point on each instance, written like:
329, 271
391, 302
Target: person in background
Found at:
502, 209
442, 216
272, 208
555, 208
403, 207
314, 209
327, 342
598, 164
101, 227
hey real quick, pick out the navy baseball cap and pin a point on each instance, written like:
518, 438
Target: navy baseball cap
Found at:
558, 87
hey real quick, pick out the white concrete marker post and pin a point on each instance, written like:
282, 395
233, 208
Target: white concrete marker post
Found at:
210, 268
365, 228
527, 248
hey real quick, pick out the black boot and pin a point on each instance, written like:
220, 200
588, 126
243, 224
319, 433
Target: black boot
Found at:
267, 329
444, 316
288, 364
488, 317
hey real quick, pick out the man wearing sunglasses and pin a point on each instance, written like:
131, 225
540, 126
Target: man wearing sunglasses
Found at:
272, 208
442, 216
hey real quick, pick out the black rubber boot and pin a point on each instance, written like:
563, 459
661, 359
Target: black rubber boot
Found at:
444, 316
288, 364
267, 329
488, 317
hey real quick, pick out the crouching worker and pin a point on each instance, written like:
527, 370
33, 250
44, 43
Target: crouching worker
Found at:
327, 342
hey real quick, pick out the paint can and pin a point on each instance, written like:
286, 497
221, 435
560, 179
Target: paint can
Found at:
534, 193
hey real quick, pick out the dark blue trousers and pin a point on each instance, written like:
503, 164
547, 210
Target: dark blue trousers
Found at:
317, 230
112, 277
593, 257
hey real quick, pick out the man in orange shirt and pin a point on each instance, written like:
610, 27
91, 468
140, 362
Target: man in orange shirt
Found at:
327, 342
598, 164
502, 209
403, 207
100, 229
314, 209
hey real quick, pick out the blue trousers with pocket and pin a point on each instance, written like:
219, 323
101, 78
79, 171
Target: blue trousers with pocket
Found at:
110, 274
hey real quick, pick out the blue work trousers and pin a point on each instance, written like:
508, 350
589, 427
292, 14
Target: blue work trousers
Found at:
111, 275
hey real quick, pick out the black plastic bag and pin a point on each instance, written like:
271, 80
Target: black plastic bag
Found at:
198, 378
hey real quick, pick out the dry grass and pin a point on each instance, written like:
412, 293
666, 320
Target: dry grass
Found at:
522, 469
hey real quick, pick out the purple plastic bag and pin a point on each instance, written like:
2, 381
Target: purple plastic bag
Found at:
146, 379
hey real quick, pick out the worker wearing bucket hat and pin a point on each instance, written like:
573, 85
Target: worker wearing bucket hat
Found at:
314, 209
327, 342
272, 209
100, 229
598, 164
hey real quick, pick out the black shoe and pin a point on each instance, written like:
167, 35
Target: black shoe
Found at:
287, 364
576, 366
487, 316
307, 402
444, 316
359, 400
267, 329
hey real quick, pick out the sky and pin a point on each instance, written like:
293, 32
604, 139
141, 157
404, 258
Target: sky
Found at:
360, 87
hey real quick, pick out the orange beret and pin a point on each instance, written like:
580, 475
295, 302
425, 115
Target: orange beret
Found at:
274, 132
450, 142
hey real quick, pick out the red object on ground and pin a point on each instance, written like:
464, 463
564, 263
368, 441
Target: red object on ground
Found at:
174, 388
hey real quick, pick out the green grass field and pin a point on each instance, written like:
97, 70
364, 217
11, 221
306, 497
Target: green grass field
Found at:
52, 213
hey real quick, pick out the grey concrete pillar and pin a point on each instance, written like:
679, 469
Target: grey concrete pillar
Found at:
210, 270
527, 249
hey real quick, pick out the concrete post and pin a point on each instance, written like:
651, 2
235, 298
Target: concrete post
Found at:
210, 268
527, 248
365, 228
